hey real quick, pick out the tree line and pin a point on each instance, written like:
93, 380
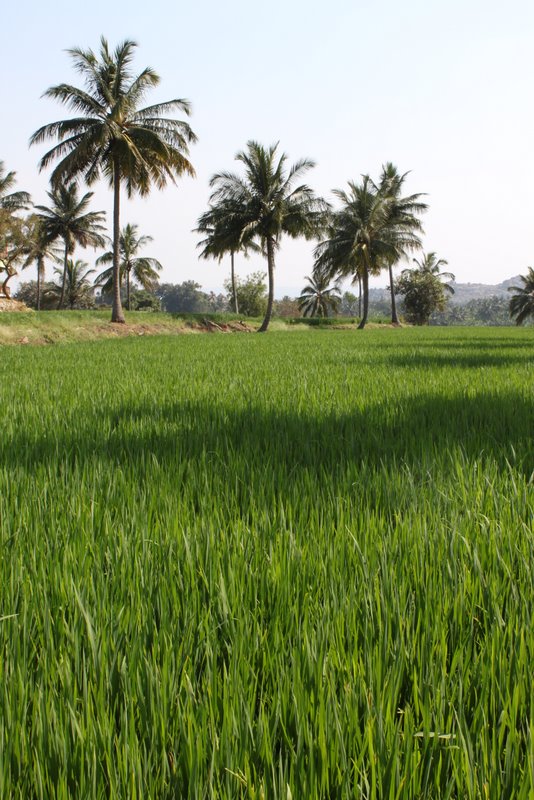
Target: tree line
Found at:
114, 136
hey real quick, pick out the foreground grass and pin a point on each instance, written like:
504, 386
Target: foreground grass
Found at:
283, 566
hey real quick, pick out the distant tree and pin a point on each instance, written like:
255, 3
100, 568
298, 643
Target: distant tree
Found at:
251, 294
522, 303
112, 136
286, 307
182, 298
143, 300
143, 269
266, 204
27, 293
319, 297
78, 289
422, 288
349, 305
68, 219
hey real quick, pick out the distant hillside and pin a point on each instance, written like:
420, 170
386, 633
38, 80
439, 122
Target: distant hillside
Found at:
463, 292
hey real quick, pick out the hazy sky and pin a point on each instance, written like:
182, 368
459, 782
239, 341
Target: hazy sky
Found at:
443, 88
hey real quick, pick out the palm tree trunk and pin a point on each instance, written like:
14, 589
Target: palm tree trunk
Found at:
365, 282
117, 314
360, 296
234, 287
64, 280
39, 278
270, 269
127, 289
394, 317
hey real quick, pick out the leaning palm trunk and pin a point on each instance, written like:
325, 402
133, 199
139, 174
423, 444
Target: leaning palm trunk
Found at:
64, 279
270, 269
234, 287
365, 283
117, 314
360, 296
394, 317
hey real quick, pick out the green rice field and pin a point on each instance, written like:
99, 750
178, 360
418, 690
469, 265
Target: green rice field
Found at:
294, 566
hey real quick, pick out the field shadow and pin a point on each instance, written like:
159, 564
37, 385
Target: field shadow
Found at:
411, 431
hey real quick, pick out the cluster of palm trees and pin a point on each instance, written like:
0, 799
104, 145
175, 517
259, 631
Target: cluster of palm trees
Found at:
375, 227
114, 136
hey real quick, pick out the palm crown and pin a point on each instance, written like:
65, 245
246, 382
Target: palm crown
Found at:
522, 303
112, 136
318, 297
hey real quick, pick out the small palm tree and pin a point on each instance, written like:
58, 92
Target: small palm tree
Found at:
223, 235
39, 249
144, 269
522, 303
12, 227
265, 204
11, 201
318, 297
78, 288
112, 136
68, 219
430, 264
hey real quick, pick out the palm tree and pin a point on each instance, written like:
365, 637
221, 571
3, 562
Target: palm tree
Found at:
112, 136
423, 289
317, 298
12, 228
68, 219
222, 236
402, 222
265, 204
357, 243
144, 270
430, 264
522, 303
39, 249
11, 201
79, 290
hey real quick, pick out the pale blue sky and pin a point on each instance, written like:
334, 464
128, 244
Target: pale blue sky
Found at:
443, 88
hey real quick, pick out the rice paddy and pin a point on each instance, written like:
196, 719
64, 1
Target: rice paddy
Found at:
290, 566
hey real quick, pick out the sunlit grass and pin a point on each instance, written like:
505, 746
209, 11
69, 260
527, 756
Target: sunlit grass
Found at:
291, 565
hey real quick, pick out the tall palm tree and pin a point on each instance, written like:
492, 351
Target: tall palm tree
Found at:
79, 290
403, 222
522, 303
144, 269
357, 243
319, 297
68, 219
38, 249
265, 204
112, 136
